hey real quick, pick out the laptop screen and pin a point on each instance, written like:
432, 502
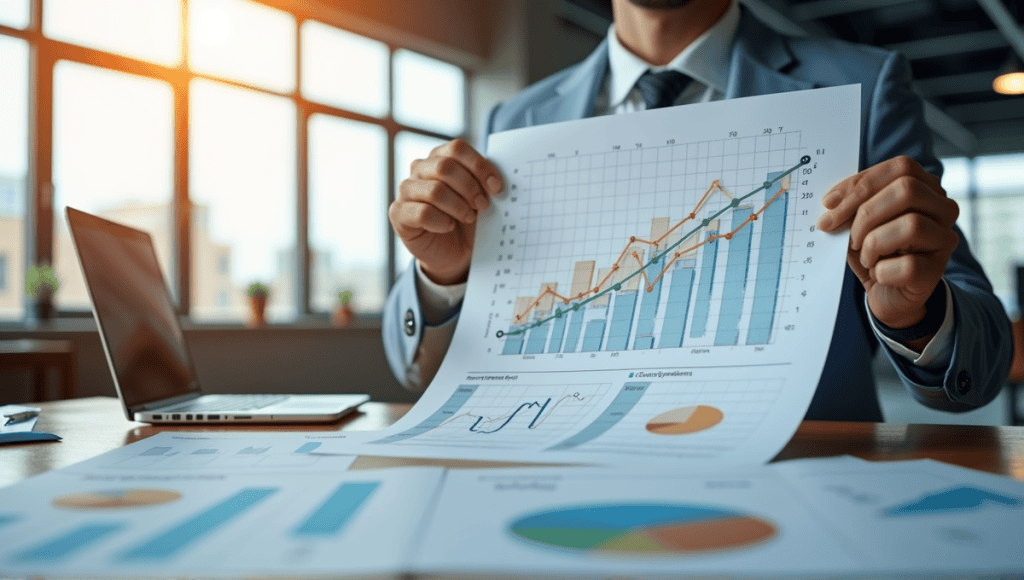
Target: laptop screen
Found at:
133, 308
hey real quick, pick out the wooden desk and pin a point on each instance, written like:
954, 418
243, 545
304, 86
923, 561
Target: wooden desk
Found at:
93, 426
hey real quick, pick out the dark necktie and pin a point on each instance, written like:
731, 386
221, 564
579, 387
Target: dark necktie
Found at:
661, 89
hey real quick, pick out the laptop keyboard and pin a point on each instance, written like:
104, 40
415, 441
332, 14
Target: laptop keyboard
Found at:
234, 403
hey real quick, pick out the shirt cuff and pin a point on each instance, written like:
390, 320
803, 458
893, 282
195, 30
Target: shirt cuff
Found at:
938, 347
437, 301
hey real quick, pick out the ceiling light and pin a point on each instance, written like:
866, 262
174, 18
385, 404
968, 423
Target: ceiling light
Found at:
1011, 77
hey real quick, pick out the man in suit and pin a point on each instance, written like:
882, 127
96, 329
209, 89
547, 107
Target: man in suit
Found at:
912, 286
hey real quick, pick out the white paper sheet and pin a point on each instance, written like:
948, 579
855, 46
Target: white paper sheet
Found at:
834, 517
718, 361
114, 516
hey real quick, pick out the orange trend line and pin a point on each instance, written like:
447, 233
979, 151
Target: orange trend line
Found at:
649, 284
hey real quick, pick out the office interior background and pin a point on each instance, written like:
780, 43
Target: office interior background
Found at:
263, 141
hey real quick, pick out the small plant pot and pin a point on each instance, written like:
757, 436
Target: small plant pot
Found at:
342, 316
44, 303
258, 311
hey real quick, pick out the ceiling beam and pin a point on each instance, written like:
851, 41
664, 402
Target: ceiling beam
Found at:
1006, 23
950, 129
986, 112
975, 82
825, 8
951, 44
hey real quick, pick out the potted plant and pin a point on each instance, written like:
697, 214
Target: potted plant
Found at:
41, 284
343, 313
258, 294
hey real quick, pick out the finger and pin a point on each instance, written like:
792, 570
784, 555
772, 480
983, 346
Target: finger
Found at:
411, 219
910, 233
848, 195
439, 195
915, 274
455, 176
905, 194
482, 169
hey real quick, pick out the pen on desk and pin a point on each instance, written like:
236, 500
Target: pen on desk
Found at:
20, 417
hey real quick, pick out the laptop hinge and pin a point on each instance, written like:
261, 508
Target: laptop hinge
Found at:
165, 402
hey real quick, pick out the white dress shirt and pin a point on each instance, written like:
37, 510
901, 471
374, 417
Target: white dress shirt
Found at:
706, 61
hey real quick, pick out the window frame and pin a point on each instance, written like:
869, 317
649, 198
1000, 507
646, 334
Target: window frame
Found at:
44, 53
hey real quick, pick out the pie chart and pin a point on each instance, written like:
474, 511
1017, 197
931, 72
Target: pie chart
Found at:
643, 529
117, 499
685, 420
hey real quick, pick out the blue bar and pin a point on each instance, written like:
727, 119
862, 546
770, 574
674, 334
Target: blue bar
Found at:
254, 450
181, 536
674, 326
447, 411
307, 447
623, 404
769, 265
558, 331
154, 451
735, 280
538, 334
331, 517
8, 519
64, 546
514, 342
592, 338
622, 320
648, 309
575, 327
707, 275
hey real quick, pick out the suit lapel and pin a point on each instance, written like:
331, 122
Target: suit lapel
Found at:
574, 97
758, 55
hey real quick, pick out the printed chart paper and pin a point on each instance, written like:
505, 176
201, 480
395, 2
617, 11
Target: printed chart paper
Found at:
810, 518
117, 515
649, 288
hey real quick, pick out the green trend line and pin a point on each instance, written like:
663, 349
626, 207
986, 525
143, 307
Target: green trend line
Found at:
654, 260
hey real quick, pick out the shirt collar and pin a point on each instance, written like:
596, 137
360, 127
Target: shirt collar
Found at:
705, 59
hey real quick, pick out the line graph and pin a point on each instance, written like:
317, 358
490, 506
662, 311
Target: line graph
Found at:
504, 416
642, 267
715, 283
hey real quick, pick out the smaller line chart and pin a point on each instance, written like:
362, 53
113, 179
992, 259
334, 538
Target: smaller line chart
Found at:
713, 275
504, 416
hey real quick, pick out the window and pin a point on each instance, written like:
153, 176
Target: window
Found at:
14, 92
347, 183
344, 70
113, 151
144, 30
15, 13
242, 159
144, 126
244, 42
998, 208
429, 93
3, 272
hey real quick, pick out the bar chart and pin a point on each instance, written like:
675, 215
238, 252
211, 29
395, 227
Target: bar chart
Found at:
712, 274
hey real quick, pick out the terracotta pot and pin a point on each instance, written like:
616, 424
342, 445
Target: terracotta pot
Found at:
258, 310
342, 316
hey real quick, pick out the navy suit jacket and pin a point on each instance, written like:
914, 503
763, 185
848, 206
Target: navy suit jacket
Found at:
764, 61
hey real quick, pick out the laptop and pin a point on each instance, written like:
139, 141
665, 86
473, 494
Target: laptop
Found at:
145, 347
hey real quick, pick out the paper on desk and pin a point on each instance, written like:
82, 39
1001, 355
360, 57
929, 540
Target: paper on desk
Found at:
109, 517
22, 431
624, 305
222, 453
822, 517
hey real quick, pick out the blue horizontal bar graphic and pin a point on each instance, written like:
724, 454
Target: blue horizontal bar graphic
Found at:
331, 517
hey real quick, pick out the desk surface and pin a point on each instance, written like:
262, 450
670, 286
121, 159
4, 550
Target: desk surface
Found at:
96, 425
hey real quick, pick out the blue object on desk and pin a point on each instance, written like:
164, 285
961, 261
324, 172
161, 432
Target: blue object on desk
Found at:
27, 436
